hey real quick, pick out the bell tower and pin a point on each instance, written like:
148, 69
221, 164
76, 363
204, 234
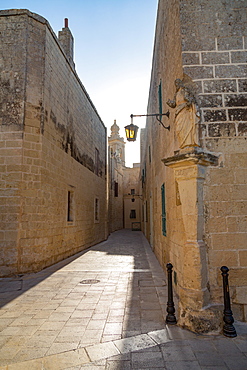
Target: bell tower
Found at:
116, 145
116, 165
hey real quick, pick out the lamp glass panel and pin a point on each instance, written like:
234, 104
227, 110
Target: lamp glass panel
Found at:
131, 131
127, 132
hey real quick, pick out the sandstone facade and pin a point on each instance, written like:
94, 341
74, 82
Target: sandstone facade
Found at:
132, 197
196, 198
116, 164
53, 149
124, 203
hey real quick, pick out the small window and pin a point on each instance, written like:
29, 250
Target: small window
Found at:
144, 174
115, 189
133, 213
132, 191
149, 153
96, 210
163, 204
96, 167
70, 206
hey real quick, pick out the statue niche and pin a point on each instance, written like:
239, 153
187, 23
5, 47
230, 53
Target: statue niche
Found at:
186, 116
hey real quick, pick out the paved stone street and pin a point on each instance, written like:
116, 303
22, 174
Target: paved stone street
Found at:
104, 308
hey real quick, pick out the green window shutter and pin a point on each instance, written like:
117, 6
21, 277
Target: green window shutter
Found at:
163, 200
160, 100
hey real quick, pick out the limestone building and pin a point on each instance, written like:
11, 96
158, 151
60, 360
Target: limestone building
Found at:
124, 203
194, 175
116, 165
52, 145
132, 205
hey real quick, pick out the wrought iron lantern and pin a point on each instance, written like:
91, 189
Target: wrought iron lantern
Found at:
131, 130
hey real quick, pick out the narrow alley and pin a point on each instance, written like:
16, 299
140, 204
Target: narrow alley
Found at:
104, 308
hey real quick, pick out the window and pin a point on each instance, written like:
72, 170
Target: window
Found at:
133, 213
115, 189
70, 206
144, 174
96, 210
132, 191
163, 204
96, 166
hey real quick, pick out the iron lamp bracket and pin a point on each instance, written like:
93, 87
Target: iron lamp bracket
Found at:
158, 116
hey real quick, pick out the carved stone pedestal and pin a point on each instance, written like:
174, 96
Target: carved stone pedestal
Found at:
190, 170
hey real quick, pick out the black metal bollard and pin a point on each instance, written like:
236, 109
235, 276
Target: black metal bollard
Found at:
228, 328
170, 317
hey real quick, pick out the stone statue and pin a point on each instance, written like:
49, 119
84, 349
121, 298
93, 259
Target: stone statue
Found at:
186, 116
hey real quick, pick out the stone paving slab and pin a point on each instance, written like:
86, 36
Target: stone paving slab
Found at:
134, 343
143, 352
102, 350
104, 308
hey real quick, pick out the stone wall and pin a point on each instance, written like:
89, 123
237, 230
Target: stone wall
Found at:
53, 150
158, 142
202, 43
215, 57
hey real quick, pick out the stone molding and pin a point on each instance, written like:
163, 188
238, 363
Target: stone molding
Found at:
193, 156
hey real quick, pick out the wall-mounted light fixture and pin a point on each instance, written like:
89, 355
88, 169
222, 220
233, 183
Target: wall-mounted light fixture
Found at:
134, 195
131, 130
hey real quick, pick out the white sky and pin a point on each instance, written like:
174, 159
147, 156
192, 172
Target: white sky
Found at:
113, 47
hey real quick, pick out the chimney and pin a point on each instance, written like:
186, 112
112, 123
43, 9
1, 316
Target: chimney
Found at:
67, 41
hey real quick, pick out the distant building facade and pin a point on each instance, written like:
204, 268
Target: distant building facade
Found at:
124, 203
116, 165
53, 149
132, 204
194, 180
